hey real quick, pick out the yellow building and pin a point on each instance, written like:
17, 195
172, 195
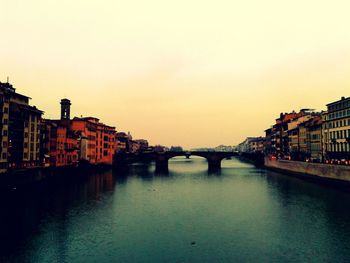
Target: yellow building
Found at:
314, 139
298, 137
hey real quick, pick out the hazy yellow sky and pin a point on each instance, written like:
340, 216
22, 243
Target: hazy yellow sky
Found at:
185, 72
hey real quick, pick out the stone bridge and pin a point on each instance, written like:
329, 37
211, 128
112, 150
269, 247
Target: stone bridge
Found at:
214, 158
161, 158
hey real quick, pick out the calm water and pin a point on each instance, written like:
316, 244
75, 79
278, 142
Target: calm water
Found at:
240, 214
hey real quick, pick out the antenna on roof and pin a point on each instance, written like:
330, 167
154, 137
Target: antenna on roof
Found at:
7, 79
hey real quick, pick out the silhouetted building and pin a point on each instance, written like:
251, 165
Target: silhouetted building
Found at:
142, 144
123, 143
176, 149
65, 109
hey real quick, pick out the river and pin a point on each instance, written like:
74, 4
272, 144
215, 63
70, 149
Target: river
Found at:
238, 214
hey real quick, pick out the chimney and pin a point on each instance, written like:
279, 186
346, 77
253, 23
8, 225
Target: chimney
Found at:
65, 109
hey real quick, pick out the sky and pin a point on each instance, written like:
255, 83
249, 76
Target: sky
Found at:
185, 72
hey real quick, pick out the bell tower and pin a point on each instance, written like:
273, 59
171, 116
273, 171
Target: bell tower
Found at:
65, 109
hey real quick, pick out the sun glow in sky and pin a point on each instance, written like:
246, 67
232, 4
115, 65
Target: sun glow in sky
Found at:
185, 72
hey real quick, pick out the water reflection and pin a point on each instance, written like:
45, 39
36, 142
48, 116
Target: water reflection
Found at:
239, 213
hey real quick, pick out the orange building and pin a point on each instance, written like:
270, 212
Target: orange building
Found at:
60, 144
68, 141
98, 145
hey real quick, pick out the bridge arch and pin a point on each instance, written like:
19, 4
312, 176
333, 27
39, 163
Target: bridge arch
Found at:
213, 158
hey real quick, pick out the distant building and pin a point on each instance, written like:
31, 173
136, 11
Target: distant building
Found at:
176, 149
257, 144
303, 151
20, 130
143, 144
204, 149
160, 148
122, 142
135, 146
251, 145
283, 137
314, 127
224, 148
270, 142
282, 127
298, 137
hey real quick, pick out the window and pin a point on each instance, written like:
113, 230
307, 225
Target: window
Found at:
4, 155
5, 133
5, 121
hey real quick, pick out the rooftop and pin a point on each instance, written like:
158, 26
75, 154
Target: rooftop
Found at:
335, 102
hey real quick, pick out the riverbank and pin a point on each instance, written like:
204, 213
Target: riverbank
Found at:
338, 174
256, 159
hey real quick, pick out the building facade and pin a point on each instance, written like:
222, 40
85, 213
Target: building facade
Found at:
123, 142
314, 139
60, 146
100, 144
252, 145
337, 130
67, 141
20, 130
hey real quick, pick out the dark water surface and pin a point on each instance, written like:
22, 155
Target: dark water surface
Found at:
240, 214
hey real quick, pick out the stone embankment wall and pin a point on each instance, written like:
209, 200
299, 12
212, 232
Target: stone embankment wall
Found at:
326, 171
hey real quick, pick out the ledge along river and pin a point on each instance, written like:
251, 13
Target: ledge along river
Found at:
238, 214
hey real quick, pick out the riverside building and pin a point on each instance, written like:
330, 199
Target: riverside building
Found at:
100, 144
337, 130
20, 130
67, 141
314, 138
60, 146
